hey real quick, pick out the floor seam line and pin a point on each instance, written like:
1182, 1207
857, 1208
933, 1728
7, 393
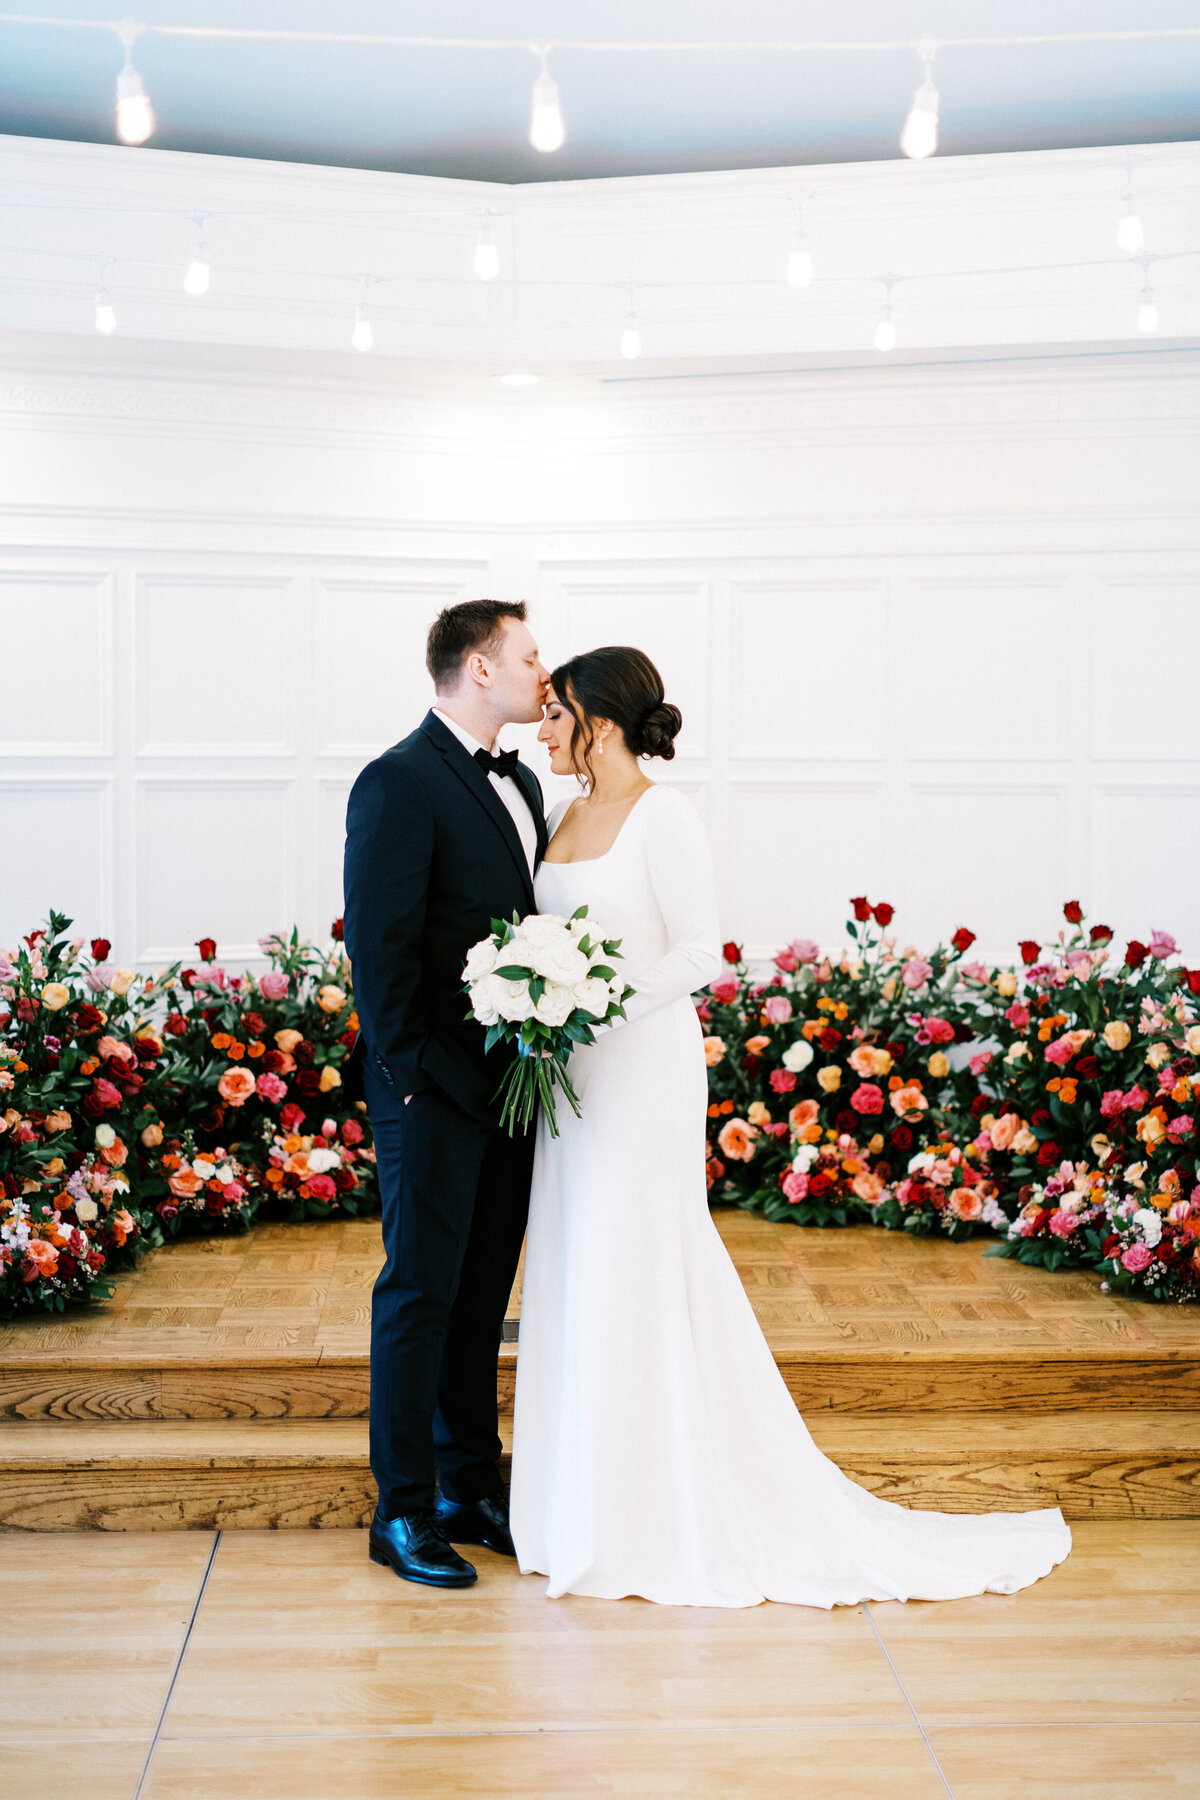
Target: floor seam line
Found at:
315, 1737
187, 1638
916, 1717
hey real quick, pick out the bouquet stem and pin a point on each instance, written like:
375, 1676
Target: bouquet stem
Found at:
530, 1083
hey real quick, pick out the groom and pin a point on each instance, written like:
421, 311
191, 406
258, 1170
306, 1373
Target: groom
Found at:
442, 837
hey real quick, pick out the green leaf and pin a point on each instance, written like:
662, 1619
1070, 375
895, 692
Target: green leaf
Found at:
602, 972
537, 988
580, 912
513, 972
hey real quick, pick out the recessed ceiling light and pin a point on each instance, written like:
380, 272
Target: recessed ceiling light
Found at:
519, 378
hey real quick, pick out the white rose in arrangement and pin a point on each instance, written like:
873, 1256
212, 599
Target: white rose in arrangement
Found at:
481, 960
593, 996
486, 994
919, 1163
804, 1158
556, 1004
203, 1168
512, 1000
86, 1211
106, 1137
538, 928
797, 1056
560, 960
322, 1162
1150, 1225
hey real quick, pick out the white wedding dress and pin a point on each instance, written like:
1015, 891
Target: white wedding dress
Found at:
656, 1449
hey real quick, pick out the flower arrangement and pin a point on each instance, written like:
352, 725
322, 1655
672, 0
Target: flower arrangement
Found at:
542, 984
319, 1174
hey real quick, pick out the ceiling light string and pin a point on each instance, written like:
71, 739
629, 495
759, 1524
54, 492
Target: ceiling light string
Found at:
1147, 316
546, 129
135, 115
920, 135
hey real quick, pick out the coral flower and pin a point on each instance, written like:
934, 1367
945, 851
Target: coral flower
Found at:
236, 1086
803, 1114
185, 1184
965, 1203
867, 1187
1004, 1131
867, 1098
736, 1140
908, 1100
714, 1051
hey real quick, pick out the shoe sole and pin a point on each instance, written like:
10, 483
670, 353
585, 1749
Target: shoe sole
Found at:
446, 1581
485, 1543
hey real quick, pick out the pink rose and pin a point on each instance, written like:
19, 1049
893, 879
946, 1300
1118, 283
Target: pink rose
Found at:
867, 1098
99, 978
787, 960
795, 1187
1181, 1128
1062, 1224
322, 1187
1136, 1258
1179, 1212
1079, 962
1162, 945
725, 991
777, 1010
1018, 1015
1134, 1100
273, 985
1059, 1052
782, 1080
916, 972
938, 1031
1113, 1103
352, 1131
980, 1062
271, 1088
975, 971
804, 950
233, 1191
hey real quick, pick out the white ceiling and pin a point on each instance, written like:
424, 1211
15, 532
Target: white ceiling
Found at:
465, 112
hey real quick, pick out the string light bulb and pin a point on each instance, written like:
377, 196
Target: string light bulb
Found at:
1130, 234
885, 328
363, 335
631, 338
920, 135
106, 318
487, 256
1147, 319
135, 115
546, 129
800, 262
198, 273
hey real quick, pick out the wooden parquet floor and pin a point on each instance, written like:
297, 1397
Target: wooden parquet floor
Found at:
226, 1383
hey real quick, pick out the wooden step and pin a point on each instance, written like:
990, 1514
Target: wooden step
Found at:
922, 1380
259, 1474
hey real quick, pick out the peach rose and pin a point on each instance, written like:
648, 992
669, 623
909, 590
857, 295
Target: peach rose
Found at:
287, 1040
297, 1164
1005, 1130
965, 1203
114, 1154
1024, 1144
121, 981
152, 1136
756, 1045
829, 1078
714, 1051
236, 1086
868, 1187
909, 1100
330, 1079
184, 1184
330, 998
1006, 984
736, 1140
862, 1060
803, 1114
58, 1120
55, 996
42, 1255
1117, 1034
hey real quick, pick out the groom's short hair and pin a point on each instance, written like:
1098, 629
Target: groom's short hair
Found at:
459, 630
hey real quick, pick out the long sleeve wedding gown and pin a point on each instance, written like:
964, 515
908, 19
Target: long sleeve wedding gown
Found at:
656, 1449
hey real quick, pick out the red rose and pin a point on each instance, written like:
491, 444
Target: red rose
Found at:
902, 1138
305, 1051
188, 978
89, 1018
1135, 954
33, 937
352, 1131
273, 1061
1049, 1153
336, 932
26, 1009
963, 939
255, 1024
829, 1039
1100, 934
175, 1024
862, 908
884, 914
979, 1105
1030, 951
1040, 1116
1087, 1068
1192, 977
207, 948
292, 1117
321, 1187
846, 1121
1073, 912
309, 1083
349, 1038
344, 1179
752, 1064
820, 1182
92, 1106
732, 952
1110, 1244
100, 949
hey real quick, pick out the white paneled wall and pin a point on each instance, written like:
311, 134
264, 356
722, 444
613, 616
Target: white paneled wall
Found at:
933, 674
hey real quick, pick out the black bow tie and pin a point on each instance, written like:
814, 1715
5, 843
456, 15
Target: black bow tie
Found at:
504, 764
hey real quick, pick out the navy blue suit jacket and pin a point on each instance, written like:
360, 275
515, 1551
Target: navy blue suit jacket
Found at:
432, 857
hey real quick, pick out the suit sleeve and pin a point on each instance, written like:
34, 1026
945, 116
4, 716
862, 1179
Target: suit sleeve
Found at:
389, 853
681, 874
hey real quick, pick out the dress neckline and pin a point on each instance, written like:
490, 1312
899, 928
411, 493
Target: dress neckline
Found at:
584, 861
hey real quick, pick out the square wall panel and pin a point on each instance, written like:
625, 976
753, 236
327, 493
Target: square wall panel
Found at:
1147, 645
806, 669
795, 853
991, 857
984, 669
58, 856
214, 859
331, 798
216, 668
372, 684
1147, 862
669, 620
56, 629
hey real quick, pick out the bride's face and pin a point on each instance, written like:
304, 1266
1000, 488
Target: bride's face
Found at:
558, 728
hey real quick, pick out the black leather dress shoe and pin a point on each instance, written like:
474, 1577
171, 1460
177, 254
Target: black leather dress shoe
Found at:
477, 1522
418, 1549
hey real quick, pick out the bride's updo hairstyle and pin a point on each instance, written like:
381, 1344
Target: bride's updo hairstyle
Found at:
621, 684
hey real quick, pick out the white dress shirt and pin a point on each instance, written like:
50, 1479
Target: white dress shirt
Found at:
505, 785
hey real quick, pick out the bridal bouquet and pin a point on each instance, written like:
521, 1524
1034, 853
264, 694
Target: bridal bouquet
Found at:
543, 983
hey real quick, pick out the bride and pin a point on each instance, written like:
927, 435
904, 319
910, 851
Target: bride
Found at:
656, 1449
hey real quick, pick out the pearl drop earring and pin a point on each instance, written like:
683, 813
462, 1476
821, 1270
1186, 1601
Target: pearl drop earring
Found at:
601, 747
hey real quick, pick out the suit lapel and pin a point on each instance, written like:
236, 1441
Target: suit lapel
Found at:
533, 794
476, 782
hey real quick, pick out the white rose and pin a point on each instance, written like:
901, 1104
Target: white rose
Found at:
322, 1161
556, 1005
580, 928
121, 981
797, 1056
486, 995
203, 1168
920, 1162
561, 960
541, 928
804, 1158
106, 1137
512, 1000
1150, 1225
481, 960
1017, 1051
85, 1211
592, 997
224, 1174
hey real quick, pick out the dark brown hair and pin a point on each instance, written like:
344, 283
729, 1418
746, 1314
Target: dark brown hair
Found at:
460, 630
621, 684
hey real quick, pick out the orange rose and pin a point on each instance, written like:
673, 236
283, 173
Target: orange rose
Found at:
297, 1164
121, 1223
185, 1184
287, 1040
1005, 1130
868, 1187
803, 1114
221, 1040
756, 1045
236, 1086
714, 1051
256, 1048
736, 1140
965, 1203
114, 1154
236, 1052
909, 1100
